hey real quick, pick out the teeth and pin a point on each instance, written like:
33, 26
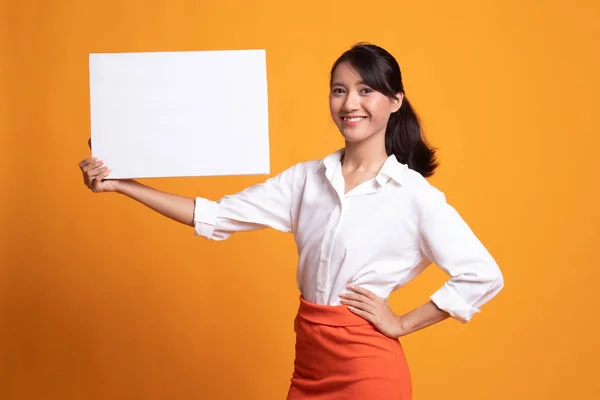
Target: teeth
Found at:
354, 119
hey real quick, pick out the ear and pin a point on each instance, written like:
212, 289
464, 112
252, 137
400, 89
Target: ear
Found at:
397, 102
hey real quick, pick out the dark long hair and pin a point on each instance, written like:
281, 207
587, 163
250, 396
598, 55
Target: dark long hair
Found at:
403, 135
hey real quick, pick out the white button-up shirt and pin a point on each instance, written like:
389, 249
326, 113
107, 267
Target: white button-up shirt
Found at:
379, 236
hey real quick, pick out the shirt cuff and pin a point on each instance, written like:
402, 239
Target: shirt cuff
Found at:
448, 300
205, 217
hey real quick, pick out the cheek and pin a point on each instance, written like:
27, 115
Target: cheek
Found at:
334, 106
378, 109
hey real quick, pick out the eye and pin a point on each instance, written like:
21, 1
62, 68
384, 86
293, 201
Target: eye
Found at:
337, 90
367, 90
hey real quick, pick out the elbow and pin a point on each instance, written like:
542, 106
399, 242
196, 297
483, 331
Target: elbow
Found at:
496, 279
487, 281
464, 295
203, 229
209, 232
492, 283
499, 282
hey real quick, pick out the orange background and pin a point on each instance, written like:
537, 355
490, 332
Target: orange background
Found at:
100, 298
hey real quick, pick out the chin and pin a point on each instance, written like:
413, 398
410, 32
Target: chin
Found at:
355, 137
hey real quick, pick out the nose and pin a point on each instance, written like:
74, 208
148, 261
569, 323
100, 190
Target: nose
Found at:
351, 103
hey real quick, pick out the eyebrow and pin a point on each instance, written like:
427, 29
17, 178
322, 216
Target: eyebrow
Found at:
341, 84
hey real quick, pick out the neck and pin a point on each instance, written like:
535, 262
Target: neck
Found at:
368, 155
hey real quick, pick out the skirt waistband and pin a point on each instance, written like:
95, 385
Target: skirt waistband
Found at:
329, 315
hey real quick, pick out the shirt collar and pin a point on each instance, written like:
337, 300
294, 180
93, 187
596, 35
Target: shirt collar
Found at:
391, 168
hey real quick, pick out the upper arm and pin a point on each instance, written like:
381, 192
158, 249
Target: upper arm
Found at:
447, 240
267, 204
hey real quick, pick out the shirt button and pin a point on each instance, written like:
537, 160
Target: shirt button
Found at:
324, 259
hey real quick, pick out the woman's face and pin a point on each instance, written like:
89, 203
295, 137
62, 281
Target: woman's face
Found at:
358, 111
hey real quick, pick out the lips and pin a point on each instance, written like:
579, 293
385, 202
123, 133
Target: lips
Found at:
353, 118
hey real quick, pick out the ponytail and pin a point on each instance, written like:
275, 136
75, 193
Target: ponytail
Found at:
405, 140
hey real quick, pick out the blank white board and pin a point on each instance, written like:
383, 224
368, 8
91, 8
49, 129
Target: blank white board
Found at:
168, 114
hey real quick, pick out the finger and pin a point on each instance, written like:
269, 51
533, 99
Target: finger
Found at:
364, 292
356, 297
103, 175
361, 313
93, 165
92, 174
97, 183
88, 178
359, 305
95, 173
87, 161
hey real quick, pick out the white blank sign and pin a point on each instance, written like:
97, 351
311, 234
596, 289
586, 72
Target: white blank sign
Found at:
167, 114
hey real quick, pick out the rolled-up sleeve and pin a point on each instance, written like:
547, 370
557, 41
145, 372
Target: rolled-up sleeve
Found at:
264, 205
448, 241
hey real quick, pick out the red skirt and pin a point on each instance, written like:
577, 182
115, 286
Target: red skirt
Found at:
340, 355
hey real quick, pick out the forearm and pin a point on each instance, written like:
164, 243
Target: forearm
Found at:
178, 208
421, 317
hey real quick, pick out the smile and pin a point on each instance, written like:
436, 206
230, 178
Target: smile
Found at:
353, 119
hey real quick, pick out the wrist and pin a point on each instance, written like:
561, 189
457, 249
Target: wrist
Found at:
122, 185
400, 326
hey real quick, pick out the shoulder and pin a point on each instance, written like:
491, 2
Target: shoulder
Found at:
310, 166
423, 192
299, 171
305, 167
